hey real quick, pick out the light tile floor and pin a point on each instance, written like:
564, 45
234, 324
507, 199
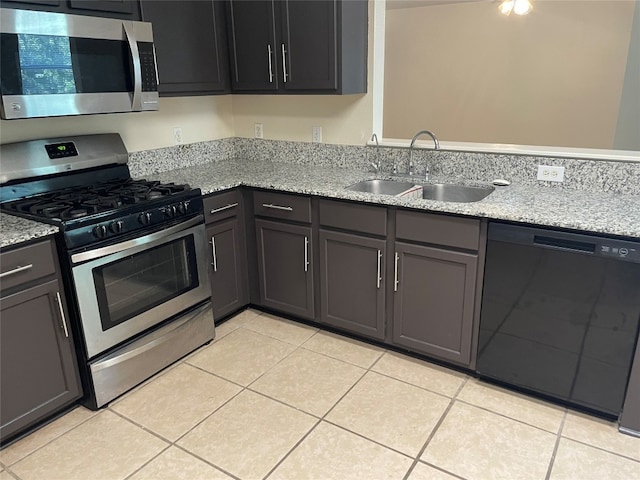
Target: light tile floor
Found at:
274, 399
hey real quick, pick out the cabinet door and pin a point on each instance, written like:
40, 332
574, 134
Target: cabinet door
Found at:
106, 6
123, 9
229, 287
38, 371
352, 284
191, 48
434, 301
308, 47
285, 268
252, 45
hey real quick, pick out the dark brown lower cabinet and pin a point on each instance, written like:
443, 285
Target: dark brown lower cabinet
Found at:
352, 284
38, 372
285, 268
229, 282
434, 300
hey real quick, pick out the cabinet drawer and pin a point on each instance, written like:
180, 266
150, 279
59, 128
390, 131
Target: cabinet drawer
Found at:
282, 205
27, 263
353, 216
222, 205
438, 229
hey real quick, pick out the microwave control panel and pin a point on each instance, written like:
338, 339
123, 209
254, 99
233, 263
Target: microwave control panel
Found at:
148, 67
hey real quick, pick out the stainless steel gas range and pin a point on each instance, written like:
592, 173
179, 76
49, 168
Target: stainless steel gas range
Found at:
132, 253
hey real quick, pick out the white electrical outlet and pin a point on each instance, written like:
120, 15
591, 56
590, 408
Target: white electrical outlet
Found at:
177, 136
550, 173
316, 134
257, 130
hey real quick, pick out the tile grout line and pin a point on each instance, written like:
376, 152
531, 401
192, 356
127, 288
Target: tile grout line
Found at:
602, 449
320, 420
486, 409
555, 447
435, 430
417, 386
174, 443
167, 447
7, 466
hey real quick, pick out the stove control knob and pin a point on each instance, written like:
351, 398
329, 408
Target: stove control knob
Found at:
144, 218
100, 231
170, 211
182, 207
117, 226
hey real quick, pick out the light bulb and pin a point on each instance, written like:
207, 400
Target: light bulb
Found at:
506, 6
522, 7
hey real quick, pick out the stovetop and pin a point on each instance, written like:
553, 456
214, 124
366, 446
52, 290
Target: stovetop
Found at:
68, 204
83, 185
104, 212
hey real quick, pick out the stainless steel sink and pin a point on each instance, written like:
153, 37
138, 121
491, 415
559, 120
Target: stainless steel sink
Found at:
383, 187
455, 193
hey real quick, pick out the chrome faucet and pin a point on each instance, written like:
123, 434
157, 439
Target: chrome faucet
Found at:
377, 167
413, 141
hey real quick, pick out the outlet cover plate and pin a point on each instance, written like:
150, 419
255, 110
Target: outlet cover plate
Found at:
177, 136
550, 173
258, 132
316, 134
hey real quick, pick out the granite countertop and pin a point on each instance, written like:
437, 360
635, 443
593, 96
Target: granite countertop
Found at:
605, 213
15, 230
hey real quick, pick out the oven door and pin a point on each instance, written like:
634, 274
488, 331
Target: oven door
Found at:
127, 288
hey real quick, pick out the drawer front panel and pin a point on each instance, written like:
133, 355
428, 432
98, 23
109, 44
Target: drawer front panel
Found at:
26, 263
353, 216
222, 205
281, 205
438, 229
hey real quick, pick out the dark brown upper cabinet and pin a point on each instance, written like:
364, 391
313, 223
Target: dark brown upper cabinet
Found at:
191, 46
298, 46
124, 9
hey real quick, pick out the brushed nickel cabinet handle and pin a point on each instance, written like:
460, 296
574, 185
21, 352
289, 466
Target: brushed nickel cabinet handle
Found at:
16, 270
379, 278
395, 274
213, 251
284, 63
270, 64
226, 207
306, 254
277, 207
62, 317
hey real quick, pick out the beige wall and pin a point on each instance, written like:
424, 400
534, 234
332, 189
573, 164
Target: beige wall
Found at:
467, 72
201, 119
344, 119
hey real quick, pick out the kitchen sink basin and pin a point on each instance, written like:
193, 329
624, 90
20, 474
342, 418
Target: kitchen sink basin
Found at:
383, 187
455, 193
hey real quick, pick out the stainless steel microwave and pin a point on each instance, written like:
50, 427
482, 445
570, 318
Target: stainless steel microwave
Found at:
54, 64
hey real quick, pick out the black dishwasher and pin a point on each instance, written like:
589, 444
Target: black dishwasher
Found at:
560, 314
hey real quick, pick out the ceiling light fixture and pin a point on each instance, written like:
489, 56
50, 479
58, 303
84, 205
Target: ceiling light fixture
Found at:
519, 7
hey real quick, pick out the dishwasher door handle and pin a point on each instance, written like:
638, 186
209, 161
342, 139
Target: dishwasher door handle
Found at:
564, 244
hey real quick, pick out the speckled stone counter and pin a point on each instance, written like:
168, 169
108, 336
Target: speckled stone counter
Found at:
599, 212
15, 230
596, 197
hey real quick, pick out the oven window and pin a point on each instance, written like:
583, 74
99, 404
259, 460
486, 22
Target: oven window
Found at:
135, 284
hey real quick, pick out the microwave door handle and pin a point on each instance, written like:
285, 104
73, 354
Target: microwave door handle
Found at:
136, 101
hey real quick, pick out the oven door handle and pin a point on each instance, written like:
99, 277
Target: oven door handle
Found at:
119, 247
